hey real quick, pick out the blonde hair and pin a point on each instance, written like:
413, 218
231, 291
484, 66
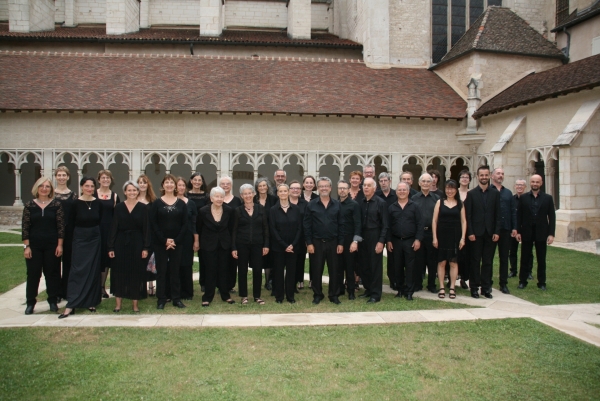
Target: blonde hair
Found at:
150, 196
38, 183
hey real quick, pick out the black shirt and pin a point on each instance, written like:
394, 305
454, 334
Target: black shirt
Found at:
323, 223
248, 229
43, 226
389, 199
86, 213
535, 204
284, 228
508, 210
351, 215
169, 221
374, 216
407, 222
426, 204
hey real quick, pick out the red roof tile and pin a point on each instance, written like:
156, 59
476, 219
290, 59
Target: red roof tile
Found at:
187, 35
202, 83
569, 78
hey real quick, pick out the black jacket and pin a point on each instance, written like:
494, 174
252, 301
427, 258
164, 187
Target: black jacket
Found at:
544, 222
212, 233
483, 218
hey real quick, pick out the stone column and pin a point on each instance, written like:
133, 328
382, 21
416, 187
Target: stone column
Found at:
136, 164
79, 176
255, 175
145, 14
473, 101
211, 21
30, 15
311, 164
70, 16
299, 19
18, 201
122, 16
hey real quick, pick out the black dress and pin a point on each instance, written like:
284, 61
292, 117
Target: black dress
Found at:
186, 270
200, 200
84, 289
234, 203
448, 232
129, 236
67, 201
108, 207
150, 276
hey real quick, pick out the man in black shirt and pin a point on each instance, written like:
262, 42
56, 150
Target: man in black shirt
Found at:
520, 186
427, 253
385, 192
508, 225
347, 259
323, 230
404, 238
407, 177
374, 231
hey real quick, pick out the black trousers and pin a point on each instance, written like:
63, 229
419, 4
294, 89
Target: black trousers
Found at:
300, 262
405, 258
284, 275
527, 260
504, 243
482, 259
186, 280
43, 260
66, 261
371, 264
201, 269
325, 251
232, 273
464, 261
249, 254
217, 273
396, 280
346, 264
426, 259
168, 263
512, 257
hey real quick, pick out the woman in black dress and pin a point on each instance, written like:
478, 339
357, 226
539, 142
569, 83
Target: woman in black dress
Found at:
43, 234
190, 244
226, 183
449, 226
250, 242
308, 188
84, 279
66, 197
215, 242
197, 193
285, 223
464, 256
169, 222
266, 199
128, 246
147, 196
109, 200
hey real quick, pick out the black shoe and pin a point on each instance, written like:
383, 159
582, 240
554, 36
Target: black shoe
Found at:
279, 302
29, 309
399, 295
116, 310
417, 289
542, 287
160, 306
179, 304
512, 274
522, 286
335, 300
292, 301
230, 301
504, 289
53, 307
364, 295
393, 287
104, 294
463, 284
316, 301
351, 296
58, 300
409, 297
203, 288
432, 290
269, 285
372, 301
530, 277
488, 295
475, 294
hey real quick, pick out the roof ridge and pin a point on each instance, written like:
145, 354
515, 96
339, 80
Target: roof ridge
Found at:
206, 57
481, 27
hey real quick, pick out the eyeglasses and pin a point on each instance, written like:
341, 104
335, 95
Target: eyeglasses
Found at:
342, 189
295, 189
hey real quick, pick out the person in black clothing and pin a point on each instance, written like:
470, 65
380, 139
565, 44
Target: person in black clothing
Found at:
67, 198
483, 226
385, 192
308, 187
404, 238
407, 177
191, 243
197, 193
215, 242
323, 230
437, 178
508, 225
109, 200
520, 186
297, 199
146, 196
250, 242
374, 216
464, 255
285, 221
84, 289
43, 233
128, 245
169, 222
427, 253
536, 224
352, 229
356, 193
265, 198
233, 202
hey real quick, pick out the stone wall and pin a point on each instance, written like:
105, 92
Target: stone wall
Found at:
299, 14
11, 215
174, 12
30, 15
59, 11
319, 16
3, 10
540, 14
90, 11
410, 33
582, 36
257, 14
122, 16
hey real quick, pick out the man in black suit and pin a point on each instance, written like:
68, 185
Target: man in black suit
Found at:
536, 224
483, 228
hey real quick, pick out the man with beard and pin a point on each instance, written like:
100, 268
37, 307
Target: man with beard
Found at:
536, 223
279, 177
347, 259
385, 192
483, 226
508, 225
407, 177
374, 231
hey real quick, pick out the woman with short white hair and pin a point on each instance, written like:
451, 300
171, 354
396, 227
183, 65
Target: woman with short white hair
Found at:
226, 183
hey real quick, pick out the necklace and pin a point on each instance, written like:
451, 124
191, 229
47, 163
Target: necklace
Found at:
89, 205
286, 206
251, 208
42, 202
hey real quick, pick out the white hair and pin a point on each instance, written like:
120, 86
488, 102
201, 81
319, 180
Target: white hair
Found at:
217, 190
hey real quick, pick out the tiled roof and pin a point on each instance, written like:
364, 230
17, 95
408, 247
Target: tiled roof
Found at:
108, 82
569, 78
500, 30
186, 35
578, 16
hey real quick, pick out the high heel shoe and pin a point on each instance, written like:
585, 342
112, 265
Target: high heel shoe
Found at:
63, 315
104, 293
92, 309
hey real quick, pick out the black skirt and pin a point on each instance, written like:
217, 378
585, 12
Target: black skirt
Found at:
84, 279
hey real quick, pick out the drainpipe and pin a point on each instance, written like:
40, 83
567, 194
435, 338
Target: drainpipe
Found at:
568, 48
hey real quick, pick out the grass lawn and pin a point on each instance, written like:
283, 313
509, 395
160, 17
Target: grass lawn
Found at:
12, 267
479, 360
7, 238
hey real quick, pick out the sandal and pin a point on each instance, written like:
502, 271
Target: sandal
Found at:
93, 310
259, 301
244, 301
441, 294
452, 293
205, 304
230, 301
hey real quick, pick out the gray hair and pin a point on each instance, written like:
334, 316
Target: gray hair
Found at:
385, 175
225, 177
368, 166
343, 182
217, 190
521, 179
324, 179
245, 187
283, 185
409, 173
425, 175
131, 183
403, 183
263, 179
280, 169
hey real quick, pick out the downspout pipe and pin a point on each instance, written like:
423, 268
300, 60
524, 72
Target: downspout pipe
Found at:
568, 48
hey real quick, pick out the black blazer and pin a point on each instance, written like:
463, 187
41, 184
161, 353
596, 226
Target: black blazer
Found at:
212, 233
483, 218
545, 222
